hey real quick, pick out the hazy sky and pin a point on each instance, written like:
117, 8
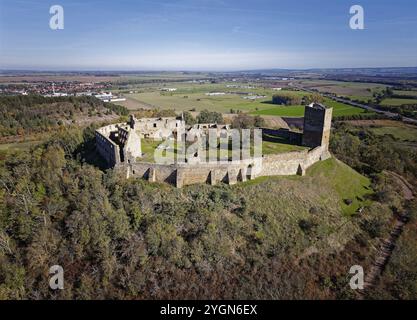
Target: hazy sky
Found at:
206, 34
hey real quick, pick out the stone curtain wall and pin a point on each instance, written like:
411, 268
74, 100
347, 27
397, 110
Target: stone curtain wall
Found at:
107, 149
183, 174
316, 134
291, 163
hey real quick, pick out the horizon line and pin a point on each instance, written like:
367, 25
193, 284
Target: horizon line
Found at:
196, 70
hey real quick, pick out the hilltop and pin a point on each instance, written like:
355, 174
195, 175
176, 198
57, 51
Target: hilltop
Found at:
252, 240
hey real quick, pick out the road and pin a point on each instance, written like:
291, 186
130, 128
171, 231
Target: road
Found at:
359, 105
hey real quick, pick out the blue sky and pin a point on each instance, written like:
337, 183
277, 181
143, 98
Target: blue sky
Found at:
206, 34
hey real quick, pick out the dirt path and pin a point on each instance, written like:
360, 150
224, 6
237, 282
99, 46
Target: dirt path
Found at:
406, 186
384, 253
388, 245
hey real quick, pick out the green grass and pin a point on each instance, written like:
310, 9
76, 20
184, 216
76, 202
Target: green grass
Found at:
277, 147
364, 99
198, 102
405, 93
148, 149
193, 96
401, 133
348, 183
339, 109
331, 174
280, 146
398, 102
287, 111
342, 88
284, 201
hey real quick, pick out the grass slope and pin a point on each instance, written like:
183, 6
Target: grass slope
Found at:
316, 197
348, 183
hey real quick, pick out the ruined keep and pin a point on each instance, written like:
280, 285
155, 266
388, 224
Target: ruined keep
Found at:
317, 125
120, 146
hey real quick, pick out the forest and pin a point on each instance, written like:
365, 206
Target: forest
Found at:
35, 114
129, 239
271, 238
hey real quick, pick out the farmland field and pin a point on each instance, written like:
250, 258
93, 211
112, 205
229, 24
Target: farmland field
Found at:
339, 109
399, 130
193, 97
401, 133
398, 102
354, 90
405, 93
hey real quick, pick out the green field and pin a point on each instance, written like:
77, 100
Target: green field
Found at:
198, 102
400, 133
193, 97
339, 109
405, 93
396, 102
354, 90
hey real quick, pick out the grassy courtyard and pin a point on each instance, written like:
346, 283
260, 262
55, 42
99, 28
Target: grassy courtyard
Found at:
279, 146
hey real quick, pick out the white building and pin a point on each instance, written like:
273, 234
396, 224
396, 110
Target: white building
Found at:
215, 93
104, 96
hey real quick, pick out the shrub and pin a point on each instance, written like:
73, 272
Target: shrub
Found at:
372, 227
206, 116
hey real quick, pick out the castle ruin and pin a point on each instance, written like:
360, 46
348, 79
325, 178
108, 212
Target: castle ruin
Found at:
120, 145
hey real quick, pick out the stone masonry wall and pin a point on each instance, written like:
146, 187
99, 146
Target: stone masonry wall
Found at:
291, 163
107, 149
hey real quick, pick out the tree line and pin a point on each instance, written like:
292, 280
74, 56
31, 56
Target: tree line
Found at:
33, 113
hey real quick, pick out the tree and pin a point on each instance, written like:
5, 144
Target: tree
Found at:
389, 92
189, 119
206, 116
286, 99
244, 121
313, 98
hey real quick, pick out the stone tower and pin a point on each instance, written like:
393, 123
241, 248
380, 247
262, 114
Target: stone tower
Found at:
317, 125
132, 122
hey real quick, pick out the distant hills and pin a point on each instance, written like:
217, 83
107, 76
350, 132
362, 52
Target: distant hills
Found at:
383, 71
